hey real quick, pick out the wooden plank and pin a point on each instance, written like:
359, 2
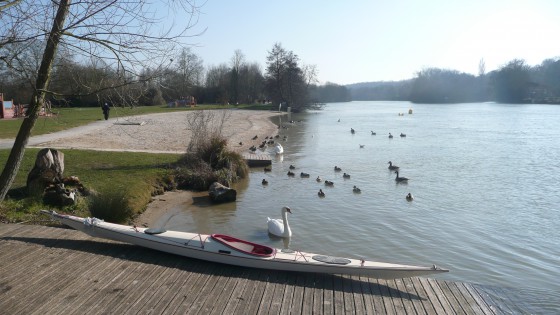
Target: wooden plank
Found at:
328, 294
252, 307
308, 294
235, 287
424, 297
118, 290
358, 295
244, 297
318, 293
288, 294
395, 297
470, 300
8, 229
213, 296
338, 292
367, 295
438, 298
386, 296
479, 300
377, 296
278, 293
405, 296
268, 291
98, 278
71, 287
48, 273
415, 296
193, 293
299, 291
469, 306
188, 293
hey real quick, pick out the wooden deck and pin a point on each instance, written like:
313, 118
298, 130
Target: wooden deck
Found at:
256, 160
50, 270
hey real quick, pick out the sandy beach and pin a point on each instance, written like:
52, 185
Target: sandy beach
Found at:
161, 133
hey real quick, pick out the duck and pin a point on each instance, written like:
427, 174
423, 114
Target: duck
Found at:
318, 179
400, 179
337, 169
352, 130
290, 173
280, 227
264, 182
268, 169
362, 146
328, 183
292, 167
346, 175
390, 136
392, 167
403, 135
356, 190
302, 174
321, 193
373, 133
409, 197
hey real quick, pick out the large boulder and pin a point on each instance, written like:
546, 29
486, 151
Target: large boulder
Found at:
48, 169
219, 193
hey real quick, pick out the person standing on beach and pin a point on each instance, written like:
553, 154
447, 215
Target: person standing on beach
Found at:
105, 107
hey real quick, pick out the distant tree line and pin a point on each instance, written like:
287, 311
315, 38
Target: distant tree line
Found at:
92, 82
515, 82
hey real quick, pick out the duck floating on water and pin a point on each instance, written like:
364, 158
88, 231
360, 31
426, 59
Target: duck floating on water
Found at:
400, 179
356, 190
373, 133
302, 174
390, 136
290, 173
352, 130
392, 167
328, 183
403, 135
337, 169
321, 193
409, 197
318, 179
346, 175
264, 182
292, 167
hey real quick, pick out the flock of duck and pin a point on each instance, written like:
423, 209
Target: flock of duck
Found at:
281, 227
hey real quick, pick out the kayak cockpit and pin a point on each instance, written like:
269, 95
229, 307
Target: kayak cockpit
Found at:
243, 246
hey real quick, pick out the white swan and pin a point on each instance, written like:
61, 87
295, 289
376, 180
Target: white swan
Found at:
280, 227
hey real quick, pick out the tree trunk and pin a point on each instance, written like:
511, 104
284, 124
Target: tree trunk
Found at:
41, 84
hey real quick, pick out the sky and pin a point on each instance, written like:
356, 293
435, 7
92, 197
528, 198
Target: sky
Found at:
381, 40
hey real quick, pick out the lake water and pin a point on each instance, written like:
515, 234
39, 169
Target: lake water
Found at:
485, 178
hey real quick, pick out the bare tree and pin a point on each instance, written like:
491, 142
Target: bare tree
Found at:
127, 35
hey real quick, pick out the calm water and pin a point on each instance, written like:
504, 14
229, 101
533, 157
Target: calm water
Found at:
485, 178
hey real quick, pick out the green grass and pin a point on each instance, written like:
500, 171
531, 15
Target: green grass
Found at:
134, 175
66, 118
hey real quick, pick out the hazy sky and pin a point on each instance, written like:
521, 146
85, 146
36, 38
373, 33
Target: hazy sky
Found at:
382, 40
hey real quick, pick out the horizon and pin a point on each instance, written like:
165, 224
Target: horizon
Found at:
380, 42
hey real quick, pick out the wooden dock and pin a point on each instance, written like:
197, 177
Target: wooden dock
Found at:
256, 160
50, 270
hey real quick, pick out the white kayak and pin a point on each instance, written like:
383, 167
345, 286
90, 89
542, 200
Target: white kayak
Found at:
233, 251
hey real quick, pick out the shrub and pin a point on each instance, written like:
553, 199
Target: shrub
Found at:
111, 206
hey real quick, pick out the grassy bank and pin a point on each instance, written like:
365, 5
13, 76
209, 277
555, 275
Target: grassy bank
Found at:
66, 118
135, 176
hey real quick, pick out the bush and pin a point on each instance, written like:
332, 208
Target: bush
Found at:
210, 162
111, 206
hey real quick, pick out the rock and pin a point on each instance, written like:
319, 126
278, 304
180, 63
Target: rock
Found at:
48, 169
219, 193
57, 195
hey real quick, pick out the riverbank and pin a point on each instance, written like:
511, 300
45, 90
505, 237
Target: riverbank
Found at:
157, 133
